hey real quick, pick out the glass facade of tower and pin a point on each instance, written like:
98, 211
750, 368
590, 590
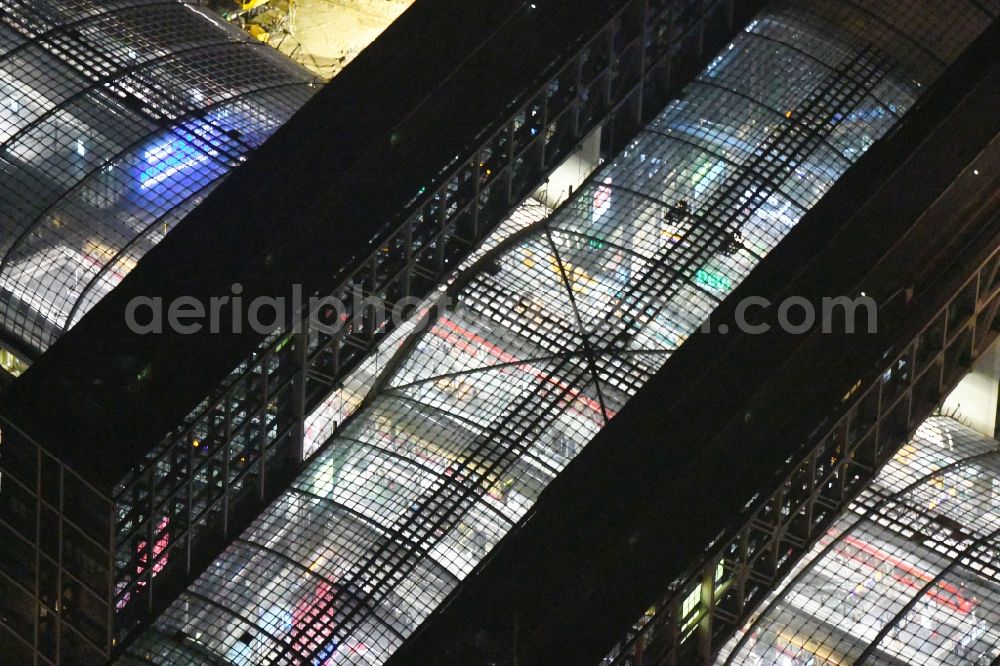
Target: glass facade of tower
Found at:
548, 336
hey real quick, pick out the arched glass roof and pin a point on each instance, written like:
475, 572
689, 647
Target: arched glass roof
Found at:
552, 332
117, 117
911, 575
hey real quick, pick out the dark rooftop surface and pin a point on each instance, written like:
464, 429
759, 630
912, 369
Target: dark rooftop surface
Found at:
304, 209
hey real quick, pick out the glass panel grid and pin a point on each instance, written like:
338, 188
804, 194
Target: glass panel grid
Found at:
908, 575
114, 116
540, 348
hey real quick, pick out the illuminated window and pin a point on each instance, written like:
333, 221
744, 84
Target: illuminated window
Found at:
12, 364
689, 607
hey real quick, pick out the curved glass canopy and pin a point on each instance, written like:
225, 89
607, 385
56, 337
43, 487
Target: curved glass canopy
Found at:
116, 119
910, 576
551, 332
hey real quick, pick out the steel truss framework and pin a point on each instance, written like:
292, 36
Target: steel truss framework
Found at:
909, 575
699, 614
117, 119
239, 445
548, 334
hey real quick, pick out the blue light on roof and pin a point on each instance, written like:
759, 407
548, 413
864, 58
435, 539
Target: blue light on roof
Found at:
167, 157
192, 147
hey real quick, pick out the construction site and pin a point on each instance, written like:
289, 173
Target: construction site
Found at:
322, 35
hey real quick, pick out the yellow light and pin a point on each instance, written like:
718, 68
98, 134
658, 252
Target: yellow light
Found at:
195, 443
11, 363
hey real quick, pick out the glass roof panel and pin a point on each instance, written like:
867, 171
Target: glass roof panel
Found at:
908, 575
115, 119
545, 342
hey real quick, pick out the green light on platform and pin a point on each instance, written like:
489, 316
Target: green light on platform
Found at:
713, 280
